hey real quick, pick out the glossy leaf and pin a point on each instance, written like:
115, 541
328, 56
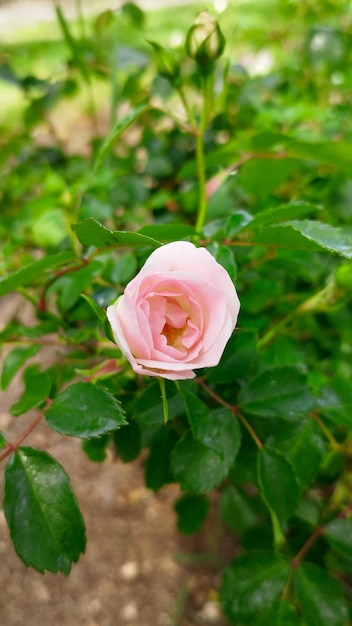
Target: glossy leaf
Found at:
320, 596
281, 613
3, 441
191, 510
278, 483
251, 584
42, 513
277, 392
307, 235
338, 532
85, 410
14, 361
91, 233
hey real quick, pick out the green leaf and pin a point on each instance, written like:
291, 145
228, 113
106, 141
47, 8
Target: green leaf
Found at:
97, 310
128, 442
42, 513
14, 361
307, 235
238, 509
277, 392
282, 213
3, 441
251, 584
319, 596
116, 132
157, 469
217, 429
261, 176
191, 512
336, 153
168, 232
195, 466
95, 448
304, 447
281, 613
72, 44
33, 272
91, 233
85, 410
335, 400
238, 356
278, 483
149, 409
338, 532
37, 389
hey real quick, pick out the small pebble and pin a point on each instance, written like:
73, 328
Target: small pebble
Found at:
210, 612
129, 612
129, 570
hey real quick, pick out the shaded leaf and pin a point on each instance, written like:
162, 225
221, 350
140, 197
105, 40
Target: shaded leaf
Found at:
95, 448
277, 392
128, 442
116, 132
338, 532
278, 483
217, 429
37, 389
191, 512
14, 361
34, 271
320, 596
196, 466
251, 583
157, 469
302, 445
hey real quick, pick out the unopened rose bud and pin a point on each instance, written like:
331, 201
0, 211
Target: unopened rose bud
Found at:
166, 64
205, 42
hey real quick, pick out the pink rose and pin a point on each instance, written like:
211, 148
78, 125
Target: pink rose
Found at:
177, 314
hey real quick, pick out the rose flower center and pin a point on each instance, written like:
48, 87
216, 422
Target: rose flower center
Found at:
174, 336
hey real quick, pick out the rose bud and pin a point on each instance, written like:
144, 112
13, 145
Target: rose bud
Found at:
205, 42
177, 314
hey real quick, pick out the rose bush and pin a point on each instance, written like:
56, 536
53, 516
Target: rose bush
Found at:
177, 314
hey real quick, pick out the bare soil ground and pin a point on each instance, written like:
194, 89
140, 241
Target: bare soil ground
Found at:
137, 570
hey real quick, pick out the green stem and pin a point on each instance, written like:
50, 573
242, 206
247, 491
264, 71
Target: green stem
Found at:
330, 437
164, 399
270, 335
207, 84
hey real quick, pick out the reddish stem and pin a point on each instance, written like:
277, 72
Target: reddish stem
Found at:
12, 447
